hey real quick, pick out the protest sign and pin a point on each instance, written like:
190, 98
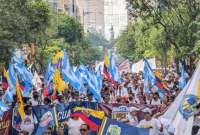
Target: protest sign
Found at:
120, 112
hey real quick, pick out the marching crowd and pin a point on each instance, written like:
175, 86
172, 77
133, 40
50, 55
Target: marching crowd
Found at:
129, 91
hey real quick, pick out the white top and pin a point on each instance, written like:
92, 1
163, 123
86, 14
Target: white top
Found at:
28, 123
153, 124
74, 126
156, 102
124, 92
133, 120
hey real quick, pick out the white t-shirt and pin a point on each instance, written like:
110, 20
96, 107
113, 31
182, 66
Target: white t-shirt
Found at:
74, 126
153, 124
28, 123
156, 102
133, 120
124, 92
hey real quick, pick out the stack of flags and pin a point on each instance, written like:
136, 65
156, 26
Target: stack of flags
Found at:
92, 80
59, 72
17, 81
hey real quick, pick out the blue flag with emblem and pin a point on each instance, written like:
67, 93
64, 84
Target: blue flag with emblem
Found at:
113, 127
46, 120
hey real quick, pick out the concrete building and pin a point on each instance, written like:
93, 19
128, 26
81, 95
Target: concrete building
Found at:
115, 18
91, 15
57, 5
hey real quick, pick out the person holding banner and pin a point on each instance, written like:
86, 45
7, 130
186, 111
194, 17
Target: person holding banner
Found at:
151, 123
132, 116
74, 124
29, 122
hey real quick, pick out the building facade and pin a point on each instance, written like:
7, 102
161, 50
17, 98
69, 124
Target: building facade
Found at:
115, 18
91, 15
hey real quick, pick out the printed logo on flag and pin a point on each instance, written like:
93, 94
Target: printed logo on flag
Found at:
188, 106
46, 118
113, 130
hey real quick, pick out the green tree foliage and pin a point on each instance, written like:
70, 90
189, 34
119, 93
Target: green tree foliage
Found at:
66, 32
20, 20
70, 29
163, 28
32, 21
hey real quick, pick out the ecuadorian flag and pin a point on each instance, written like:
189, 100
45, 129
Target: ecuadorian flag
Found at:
106, 66
91, 117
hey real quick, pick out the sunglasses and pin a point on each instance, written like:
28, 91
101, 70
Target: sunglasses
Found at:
83, 130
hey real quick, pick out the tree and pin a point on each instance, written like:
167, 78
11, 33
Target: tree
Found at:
178, 20
171, 15
70, 29
22, 21
98, 40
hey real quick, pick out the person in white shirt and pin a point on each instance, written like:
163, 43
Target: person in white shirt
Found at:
74, 124
124, 91
155, 100
30, 120
132, 116
151, 123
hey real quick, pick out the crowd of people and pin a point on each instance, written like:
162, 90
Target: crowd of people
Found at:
129, 91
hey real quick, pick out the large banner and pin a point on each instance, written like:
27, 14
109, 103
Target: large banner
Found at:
6, 123
113, 127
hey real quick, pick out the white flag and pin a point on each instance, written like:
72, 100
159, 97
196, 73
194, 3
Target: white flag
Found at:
37, 81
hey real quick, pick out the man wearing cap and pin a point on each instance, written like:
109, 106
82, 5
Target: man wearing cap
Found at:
132, 116
148, 122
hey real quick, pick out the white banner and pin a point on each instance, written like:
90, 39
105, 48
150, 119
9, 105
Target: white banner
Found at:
139, 66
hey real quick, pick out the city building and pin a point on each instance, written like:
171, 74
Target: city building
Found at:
91, 15
57, 5
115, 18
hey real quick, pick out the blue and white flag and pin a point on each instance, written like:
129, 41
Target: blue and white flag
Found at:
182, 79
8, 96
50, 70
149, 78
3, 106
69, 75
99, 79
92, 84
114, 73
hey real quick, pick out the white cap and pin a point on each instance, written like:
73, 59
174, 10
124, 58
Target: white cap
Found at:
132, 109
147, 110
